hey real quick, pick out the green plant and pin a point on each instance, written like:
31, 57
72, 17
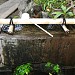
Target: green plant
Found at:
65, 12
56, 68
52, 68
23, 69
50, 4
43, 3
16, 17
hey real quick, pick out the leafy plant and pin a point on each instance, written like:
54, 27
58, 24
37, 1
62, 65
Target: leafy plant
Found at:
23, 69
64, 12
50, 4
16, 17
48, 64
56, 68
52, 68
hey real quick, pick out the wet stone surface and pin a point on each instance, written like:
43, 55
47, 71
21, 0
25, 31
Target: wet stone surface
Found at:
38, 49
17, 50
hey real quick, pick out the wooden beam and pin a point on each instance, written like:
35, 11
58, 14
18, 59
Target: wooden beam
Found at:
37, 21
8, 7
9, 11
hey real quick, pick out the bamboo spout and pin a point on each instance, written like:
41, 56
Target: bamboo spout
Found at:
38, 21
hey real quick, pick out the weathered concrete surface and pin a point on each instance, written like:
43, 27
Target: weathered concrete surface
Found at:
22, 49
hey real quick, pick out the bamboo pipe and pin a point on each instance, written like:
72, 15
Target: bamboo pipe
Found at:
44, 30
26, 16
38, 21
65, 28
